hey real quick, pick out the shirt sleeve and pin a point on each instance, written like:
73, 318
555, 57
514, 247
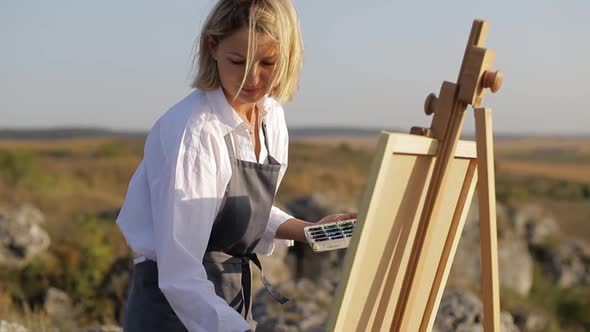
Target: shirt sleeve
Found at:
184, 199
267, 243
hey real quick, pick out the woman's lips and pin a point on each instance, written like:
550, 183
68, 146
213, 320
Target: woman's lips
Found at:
250, 90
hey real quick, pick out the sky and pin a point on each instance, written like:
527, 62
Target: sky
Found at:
368, 64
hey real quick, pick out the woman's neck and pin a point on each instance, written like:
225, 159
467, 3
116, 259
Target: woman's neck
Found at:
245, 110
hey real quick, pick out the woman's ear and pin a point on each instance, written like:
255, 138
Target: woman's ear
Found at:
212, 46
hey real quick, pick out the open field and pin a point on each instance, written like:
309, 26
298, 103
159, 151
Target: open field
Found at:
559, 158
568, 172
62, 143
360, 142
78, 184
97, 170
579, 143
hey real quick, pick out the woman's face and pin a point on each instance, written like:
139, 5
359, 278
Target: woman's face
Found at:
230, 54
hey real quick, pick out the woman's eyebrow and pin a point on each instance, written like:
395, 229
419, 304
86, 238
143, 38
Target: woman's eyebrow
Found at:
237, 54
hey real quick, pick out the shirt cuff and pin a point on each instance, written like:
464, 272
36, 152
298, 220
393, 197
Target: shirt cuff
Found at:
268, 242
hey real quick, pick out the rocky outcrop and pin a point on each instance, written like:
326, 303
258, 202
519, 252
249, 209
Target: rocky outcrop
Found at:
515, 262
531, 321
462, 312
11, 327
58, 305
310, 303
569, 264
532, 223
526, 235
21, 236
307, 311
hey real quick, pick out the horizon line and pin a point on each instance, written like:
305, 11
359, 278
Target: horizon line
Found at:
82, 131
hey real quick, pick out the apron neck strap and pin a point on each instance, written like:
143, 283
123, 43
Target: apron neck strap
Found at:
265, 137
230, 145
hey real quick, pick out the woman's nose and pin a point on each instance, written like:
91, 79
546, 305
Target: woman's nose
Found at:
252, 78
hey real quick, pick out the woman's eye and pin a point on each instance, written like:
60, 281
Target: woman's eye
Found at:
243, 62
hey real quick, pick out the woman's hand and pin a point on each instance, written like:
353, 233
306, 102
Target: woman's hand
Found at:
337, 217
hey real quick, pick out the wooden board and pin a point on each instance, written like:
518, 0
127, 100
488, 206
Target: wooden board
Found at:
378, 257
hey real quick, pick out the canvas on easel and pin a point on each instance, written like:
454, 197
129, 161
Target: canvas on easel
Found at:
414, 208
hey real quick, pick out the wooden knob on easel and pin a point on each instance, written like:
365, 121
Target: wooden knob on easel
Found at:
421, 131
492, 80
430, 104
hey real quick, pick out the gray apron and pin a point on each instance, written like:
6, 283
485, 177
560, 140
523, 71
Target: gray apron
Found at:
237, 229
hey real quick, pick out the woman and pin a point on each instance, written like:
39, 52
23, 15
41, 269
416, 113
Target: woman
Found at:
199, 206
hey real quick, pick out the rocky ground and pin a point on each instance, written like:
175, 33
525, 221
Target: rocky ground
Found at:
527, 237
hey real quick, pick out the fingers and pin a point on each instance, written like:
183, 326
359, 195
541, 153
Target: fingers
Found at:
338, 217
345, 216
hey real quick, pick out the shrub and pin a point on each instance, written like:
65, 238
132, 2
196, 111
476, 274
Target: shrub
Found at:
77, 265
574, 306
18, 167
111, 150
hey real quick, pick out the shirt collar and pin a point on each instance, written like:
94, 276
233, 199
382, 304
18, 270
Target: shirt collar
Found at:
226, 113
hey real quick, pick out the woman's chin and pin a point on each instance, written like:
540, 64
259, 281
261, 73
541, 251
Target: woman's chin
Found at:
250, 98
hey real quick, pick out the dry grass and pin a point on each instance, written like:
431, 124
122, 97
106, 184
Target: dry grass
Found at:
568, 172
357, 142
572, 217
560, 158
581, 144
77, 144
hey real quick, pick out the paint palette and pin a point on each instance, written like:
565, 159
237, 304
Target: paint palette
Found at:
330, 236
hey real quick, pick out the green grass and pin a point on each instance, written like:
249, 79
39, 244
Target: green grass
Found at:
568, 307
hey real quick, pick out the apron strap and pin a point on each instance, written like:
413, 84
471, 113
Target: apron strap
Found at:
271, 159
265, 138
230, 145
247, 282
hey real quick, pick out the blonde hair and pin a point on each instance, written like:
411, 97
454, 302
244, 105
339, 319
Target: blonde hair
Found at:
276, 19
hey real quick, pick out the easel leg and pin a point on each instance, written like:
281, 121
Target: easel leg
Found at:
487, 220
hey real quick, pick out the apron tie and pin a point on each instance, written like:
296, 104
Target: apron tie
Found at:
247, 282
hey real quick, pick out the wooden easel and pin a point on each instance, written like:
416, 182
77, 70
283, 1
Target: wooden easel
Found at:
449, 110
405, 272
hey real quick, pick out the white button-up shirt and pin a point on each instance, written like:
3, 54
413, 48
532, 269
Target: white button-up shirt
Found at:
176, 192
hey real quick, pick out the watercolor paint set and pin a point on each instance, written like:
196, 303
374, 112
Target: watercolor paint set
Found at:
330, 236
